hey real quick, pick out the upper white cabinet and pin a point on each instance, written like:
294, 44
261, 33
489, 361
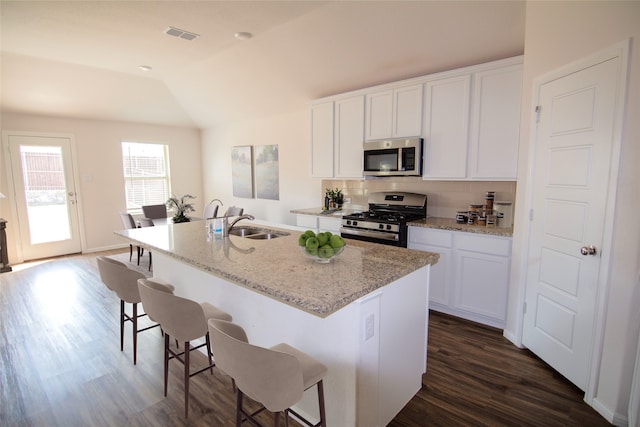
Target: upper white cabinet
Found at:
337, 134
446, 127
472, 122
495, 125
469, 119
322, 140
349, 136
394, 112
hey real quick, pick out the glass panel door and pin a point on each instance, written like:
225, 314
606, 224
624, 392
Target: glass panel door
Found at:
46, 202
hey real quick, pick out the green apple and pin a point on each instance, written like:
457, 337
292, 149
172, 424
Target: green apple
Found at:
310, 233
312, 243
302, 240
323, 239
325, 251
312, 251
336, 241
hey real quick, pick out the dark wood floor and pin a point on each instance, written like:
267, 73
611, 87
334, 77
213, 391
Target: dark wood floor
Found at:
61, 365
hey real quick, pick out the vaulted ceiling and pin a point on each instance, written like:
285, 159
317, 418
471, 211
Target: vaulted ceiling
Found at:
81, 58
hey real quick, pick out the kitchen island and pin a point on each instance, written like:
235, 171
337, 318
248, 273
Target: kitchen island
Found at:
364, 314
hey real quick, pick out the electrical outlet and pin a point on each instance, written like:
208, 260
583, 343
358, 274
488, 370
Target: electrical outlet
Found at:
369, 327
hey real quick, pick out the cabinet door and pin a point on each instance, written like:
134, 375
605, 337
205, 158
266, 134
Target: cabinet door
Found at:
322, 140
482, 284
495, 128
349, 137
446, 128
307, 221
379, 115
407, 111
441, 281
329, 224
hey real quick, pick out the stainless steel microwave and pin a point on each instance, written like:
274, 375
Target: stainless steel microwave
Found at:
393, 157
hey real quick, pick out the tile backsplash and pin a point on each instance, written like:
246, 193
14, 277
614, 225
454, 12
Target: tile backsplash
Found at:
444, 198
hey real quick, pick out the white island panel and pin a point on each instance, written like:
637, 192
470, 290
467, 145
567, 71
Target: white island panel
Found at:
375, 347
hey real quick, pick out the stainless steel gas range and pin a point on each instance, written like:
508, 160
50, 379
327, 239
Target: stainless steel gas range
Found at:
386, 220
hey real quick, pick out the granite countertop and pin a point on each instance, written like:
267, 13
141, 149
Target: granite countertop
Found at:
279, 269
322, 212
452, 225
431, 222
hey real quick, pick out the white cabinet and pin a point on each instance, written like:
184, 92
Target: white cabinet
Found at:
337, 134
349, 137
446, 127
322, 140
319, 223
472, 122
495, 125
471, 279
394, 112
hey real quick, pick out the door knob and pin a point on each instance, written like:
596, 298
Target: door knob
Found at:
588, 250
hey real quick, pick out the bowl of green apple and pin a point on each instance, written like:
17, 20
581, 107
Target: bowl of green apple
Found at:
321, 247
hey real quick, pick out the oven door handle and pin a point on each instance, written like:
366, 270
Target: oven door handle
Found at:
370, 233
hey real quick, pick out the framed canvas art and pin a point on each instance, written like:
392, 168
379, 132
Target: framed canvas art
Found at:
242, 171
267, 172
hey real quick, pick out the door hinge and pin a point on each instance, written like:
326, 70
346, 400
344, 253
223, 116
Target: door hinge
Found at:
538, 109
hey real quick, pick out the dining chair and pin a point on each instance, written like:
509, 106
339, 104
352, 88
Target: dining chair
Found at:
154, 211
146, 222
123, 280
184, 320
234, 211
275, 377
129, 223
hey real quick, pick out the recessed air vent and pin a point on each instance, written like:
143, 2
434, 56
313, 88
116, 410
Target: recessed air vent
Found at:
176, 32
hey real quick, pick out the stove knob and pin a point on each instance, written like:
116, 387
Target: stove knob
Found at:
388, 226
355, 223
381, 226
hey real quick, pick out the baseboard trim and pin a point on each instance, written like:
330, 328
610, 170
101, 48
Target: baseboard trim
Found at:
619, 420
106, 248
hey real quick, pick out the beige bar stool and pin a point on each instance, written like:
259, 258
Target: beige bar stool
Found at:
275, 377
183, 319
124, 282
146, 222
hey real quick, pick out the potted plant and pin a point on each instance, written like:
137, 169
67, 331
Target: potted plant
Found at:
181, 208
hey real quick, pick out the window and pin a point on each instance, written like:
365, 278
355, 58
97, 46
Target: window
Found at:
146, 174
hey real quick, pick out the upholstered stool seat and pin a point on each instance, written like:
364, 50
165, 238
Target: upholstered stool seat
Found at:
275, 377
185, 320
124, 282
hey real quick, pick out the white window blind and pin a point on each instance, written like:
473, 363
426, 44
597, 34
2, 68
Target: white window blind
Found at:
146, 174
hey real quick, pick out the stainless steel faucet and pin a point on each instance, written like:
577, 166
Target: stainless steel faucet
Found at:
226, 227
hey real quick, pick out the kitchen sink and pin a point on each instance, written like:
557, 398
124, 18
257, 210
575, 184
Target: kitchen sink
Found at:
245, 231
265, 236
256, 233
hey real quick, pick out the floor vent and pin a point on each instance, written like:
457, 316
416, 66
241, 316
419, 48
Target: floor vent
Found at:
176, 32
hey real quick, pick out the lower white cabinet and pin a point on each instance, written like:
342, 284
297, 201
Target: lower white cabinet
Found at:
319, 223
471, 278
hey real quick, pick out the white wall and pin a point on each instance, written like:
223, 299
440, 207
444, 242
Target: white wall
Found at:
99, 154
558, 33
291, 132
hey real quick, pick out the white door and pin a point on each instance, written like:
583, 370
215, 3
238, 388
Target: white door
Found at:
45, 195
573, 152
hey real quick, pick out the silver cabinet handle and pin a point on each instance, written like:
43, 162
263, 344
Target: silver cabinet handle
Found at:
588, 250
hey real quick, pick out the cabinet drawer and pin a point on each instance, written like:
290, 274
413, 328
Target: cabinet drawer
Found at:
485, 244
432, 237
307, 221
329, 224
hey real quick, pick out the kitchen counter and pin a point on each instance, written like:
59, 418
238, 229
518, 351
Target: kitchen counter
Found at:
279, 269
452, 225
322, 212
431, 222
364, 315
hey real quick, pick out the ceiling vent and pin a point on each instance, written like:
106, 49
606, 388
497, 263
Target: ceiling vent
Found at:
176, 32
